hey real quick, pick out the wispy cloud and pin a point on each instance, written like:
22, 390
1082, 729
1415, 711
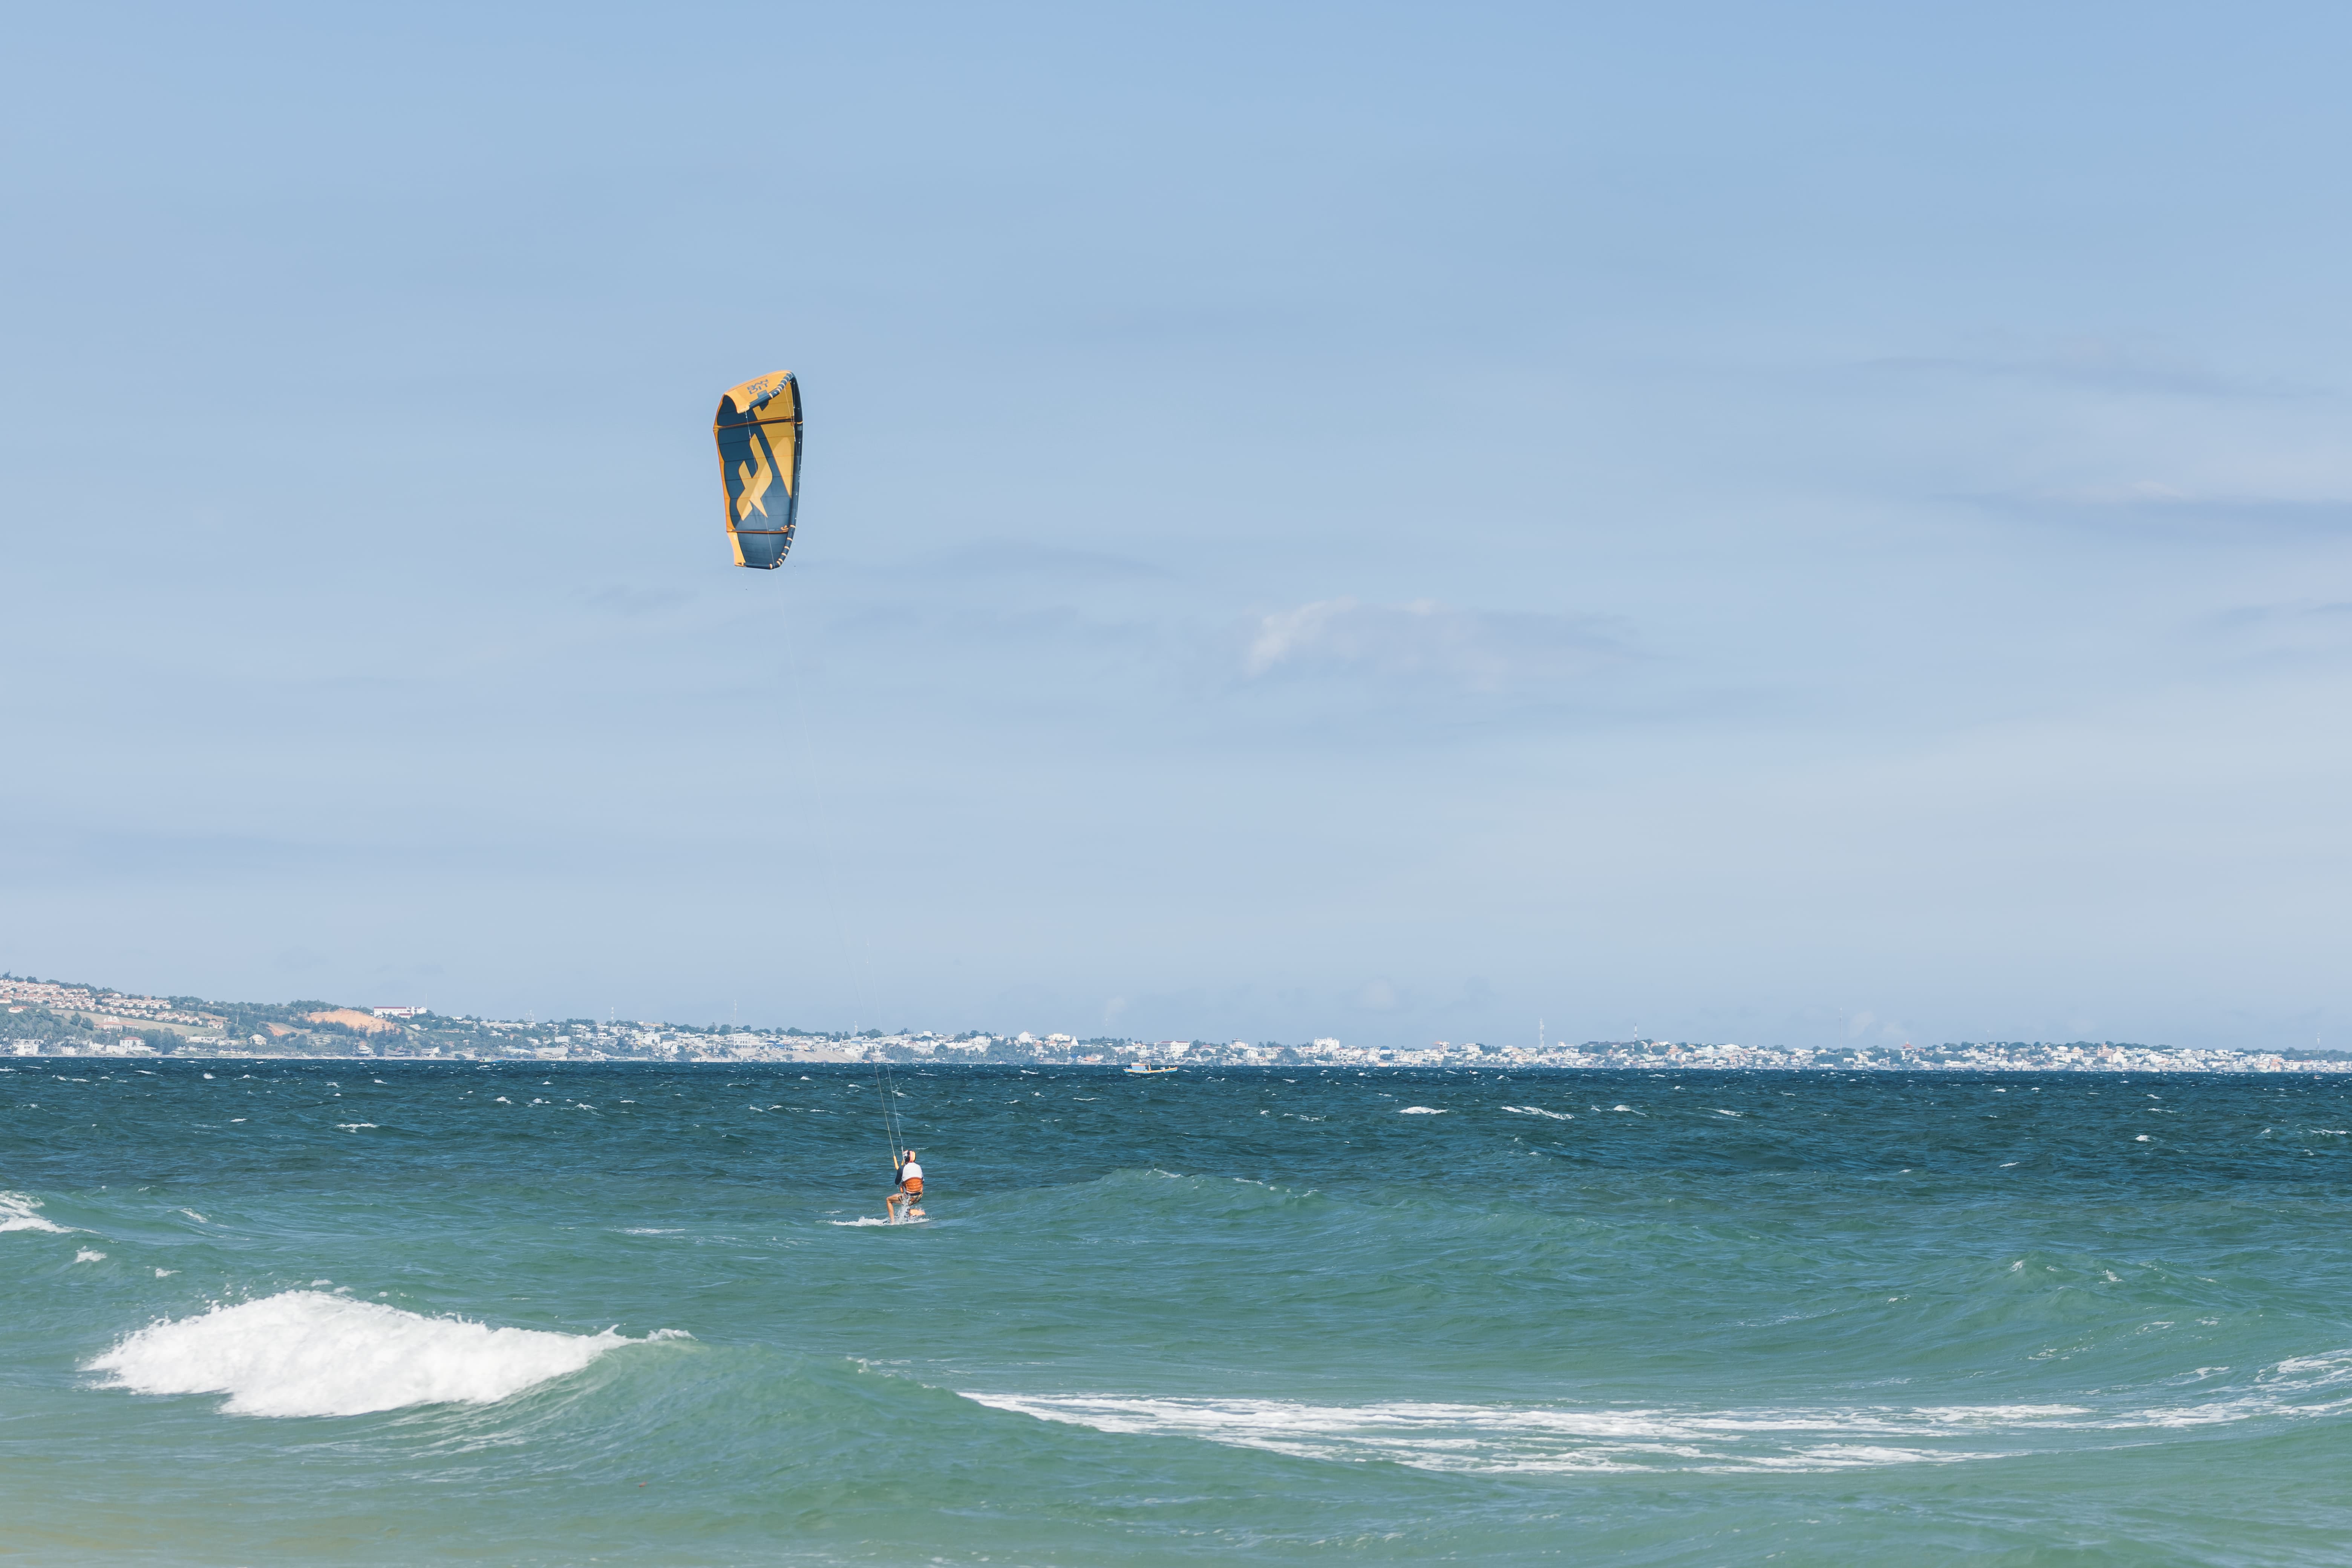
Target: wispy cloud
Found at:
1023, 558
1428, 643
2155, 506
622, 599
2098, 364
2286, 632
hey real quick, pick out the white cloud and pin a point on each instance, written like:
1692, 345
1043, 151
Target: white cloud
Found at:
1476, 650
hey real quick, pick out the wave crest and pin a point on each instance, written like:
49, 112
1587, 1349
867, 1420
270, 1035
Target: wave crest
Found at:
304, 1352
18, 1212
1525, 1438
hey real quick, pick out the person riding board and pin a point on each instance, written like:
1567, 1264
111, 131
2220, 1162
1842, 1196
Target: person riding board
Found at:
910, 1189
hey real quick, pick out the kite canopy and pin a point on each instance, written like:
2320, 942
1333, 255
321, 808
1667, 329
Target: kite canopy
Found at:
759, 434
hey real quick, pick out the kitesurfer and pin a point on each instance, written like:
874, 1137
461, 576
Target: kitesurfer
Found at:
910, 1188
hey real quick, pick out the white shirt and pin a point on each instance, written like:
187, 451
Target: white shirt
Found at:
910, 1172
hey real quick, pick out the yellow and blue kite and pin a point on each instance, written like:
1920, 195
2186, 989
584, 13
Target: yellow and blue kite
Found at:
758, 433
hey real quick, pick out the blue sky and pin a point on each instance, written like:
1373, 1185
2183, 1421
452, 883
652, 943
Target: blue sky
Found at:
1791, 525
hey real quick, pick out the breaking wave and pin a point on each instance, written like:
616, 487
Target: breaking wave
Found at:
18, 1212
1495, 1439
304, 1352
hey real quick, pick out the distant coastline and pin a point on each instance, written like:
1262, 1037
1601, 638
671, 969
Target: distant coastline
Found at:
48, 1019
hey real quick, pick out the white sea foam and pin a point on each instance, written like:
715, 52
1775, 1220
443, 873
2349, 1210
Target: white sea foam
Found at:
89, 1255
2305, 1374
1497, 1439
304, 1353
1526, 1438
1539, 1110
1421, 1111
869, 1219
18, 1212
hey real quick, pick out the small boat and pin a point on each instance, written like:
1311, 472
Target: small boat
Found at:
1140, 1067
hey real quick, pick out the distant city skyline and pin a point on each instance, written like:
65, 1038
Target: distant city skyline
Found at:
1818, 527
46, 1020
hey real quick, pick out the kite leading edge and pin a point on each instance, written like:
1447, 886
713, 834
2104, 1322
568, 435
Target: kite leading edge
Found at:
759, 434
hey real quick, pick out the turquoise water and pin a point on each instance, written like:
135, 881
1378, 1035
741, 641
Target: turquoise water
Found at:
289, 1313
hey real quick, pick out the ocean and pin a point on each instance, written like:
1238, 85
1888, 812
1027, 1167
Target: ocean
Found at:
273, 1312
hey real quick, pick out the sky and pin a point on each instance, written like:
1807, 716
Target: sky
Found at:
1800, 525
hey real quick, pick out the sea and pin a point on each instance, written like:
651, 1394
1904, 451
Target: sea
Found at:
270, 1312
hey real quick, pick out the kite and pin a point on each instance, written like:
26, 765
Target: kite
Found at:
759, 434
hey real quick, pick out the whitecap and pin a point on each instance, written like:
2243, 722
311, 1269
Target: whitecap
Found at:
88, 1256
18, 1211
303, 1354
1420, 1111
353, 1126
1505, 1439
1539, 1110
